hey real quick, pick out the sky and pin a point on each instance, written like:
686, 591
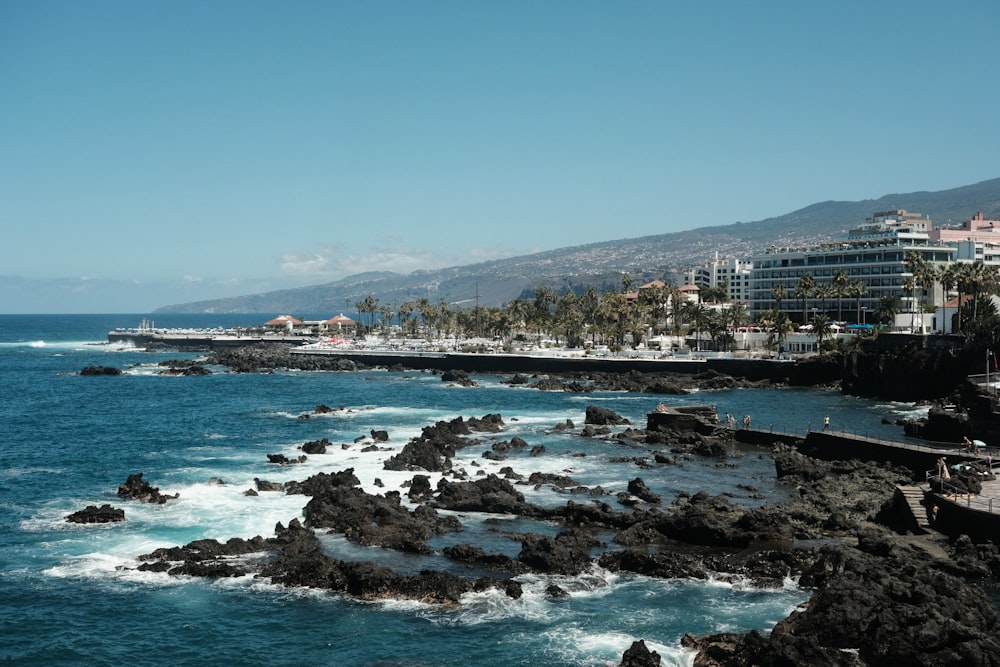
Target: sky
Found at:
161, 152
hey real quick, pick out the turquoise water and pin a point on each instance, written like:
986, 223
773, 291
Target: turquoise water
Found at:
69, 594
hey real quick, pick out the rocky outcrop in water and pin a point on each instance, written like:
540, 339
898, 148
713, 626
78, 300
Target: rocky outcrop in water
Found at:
101, 370
136, 488
94, 514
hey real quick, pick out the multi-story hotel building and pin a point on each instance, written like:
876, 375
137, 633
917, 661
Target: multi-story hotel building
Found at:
873, 258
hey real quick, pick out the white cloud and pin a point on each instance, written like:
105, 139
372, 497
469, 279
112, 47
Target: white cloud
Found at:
333, 261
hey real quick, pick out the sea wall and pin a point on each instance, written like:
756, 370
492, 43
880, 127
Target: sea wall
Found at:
955, 517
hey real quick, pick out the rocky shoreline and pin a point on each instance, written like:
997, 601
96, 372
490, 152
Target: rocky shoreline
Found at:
880, 596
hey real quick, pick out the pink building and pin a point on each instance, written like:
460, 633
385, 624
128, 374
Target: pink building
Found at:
976, 229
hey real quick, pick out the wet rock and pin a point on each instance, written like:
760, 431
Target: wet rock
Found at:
94, 514
420, 488
473, 555
460, 378
136, 488
637, 487
316, 446
598, 416
638, 655
101, 370
565, 554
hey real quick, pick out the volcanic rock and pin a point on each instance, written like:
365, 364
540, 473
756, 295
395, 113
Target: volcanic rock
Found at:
94, 514
138, 489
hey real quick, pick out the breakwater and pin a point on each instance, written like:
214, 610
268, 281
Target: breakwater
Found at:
797, 373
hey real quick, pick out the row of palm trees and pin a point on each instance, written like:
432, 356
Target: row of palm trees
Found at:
620, 317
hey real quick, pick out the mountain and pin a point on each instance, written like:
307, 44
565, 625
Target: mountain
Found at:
600, 265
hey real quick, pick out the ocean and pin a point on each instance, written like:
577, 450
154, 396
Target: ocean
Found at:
70, 594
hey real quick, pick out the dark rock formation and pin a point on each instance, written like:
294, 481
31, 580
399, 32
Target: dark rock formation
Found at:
281, 459
884, 601
101, 370
473, 555
599, 416
460, 378
906, 371
94, 514
185, 367
567, 553
638, 655
138, 489
490, 494
637, 487
316, 446
375, 520
434, 448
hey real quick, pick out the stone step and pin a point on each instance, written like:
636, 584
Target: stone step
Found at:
914, 496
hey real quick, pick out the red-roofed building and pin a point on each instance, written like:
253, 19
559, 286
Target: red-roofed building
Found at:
283, 322
341, 323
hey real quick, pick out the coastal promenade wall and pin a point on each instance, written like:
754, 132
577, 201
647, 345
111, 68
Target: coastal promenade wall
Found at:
783, 371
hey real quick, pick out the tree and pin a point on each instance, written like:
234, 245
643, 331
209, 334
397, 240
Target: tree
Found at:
778, 325
405, 310
946, 278
778, 293
856, 290
736, 316
697, 315
821, 328
369, 306
889, 306
541, 315
386, 313
804, 288
840, 283
568, 318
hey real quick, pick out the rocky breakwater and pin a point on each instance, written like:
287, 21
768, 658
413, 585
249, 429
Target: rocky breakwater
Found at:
907, 369
880, 597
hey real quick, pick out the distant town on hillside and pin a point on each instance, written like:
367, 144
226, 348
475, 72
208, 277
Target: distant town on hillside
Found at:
675, 258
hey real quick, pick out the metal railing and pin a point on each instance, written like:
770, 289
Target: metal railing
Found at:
961, 496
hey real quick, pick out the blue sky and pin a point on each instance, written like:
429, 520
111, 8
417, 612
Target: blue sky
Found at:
163, 152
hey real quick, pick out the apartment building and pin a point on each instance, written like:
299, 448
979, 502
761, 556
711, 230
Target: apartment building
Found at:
735, 273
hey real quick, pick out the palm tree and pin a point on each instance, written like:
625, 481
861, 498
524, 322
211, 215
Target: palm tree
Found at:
675, 302
778, 293
909, 286
697, 315
386, 313
823, 292
569, 319
517, 315
368, 305
405, 310
840, 283
737, 315
821, 328
541, 315
889, 306
857, 289
946, 278
804, 288
778, 325
589, 305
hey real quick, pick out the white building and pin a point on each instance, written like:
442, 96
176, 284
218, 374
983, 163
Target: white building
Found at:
735, 273
872, 260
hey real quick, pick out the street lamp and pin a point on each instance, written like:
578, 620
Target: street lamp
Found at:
864, 314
